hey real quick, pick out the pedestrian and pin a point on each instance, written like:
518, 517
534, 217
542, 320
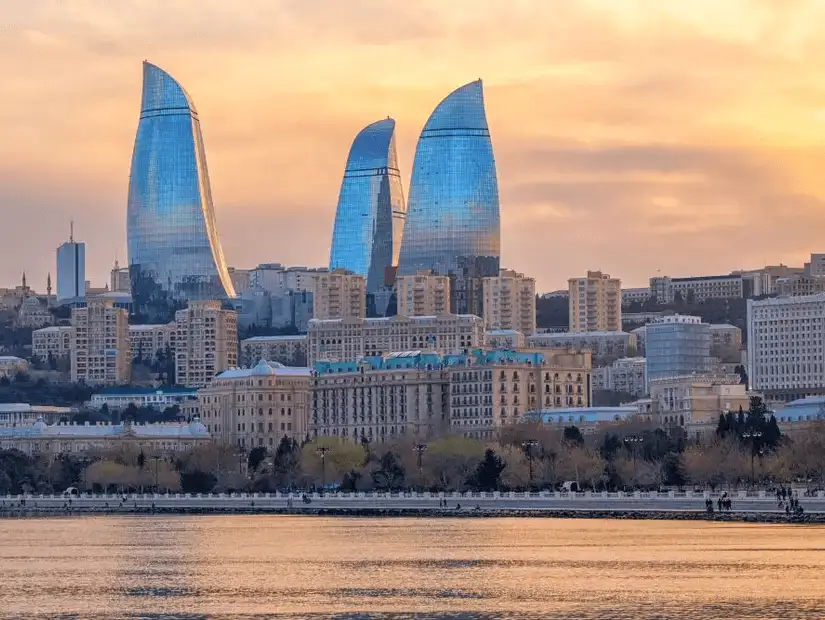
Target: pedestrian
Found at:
719, 504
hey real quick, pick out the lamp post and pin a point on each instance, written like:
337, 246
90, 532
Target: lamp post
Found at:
419, 449
322, 452
753, 436
527, 446
631, 441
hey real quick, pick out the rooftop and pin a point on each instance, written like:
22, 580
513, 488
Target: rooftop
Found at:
138, 391
169, 430
254, 339
265, 368
574, 415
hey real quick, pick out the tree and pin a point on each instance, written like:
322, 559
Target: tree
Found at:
256, 456
516, 474
341, 457
389, 474
451, 461
141, 460
573, 436
488, 472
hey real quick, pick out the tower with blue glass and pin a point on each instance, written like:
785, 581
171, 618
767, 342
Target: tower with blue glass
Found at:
453, 224
174, 252
369, 220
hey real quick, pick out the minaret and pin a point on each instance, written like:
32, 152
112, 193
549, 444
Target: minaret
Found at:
49, 284
24, 279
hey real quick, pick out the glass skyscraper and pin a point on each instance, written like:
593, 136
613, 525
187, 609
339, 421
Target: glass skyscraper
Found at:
174, 252
452, 223
369, 220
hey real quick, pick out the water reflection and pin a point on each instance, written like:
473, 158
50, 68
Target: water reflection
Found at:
312, 567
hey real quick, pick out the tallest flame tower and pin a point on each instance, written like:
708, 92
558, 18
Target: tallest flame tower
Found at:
174, 252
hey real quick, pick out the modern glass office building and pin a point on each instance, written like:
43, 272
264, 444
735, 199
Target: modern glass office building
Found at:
452, 222
174, 251
677, 345
369, 220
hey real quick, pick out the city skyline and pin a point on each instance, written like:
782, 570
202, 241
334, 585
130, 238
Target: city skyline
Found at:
607, 158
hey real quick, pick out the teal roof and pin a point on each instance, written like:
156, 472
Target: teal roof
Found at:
420, 359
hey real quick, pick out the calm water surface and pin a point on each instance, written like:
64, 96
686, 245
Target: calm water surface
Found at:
314, 567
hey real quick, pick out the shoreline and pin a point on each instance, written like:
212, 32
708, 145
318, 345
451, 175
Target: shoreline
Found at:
467, 513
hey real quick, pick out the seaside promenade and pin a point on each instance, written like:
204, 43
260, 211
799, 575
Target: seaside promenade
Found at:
752, 502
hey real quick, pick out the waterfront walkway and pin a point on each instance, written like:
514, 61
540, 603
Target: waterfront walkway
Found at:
753, 502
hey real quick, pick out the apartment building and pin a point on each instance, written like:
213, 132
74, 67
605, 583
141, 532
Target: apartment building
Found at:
665, 288
206, 342
601, 344
286, 350
422, 294
786, 340
595, 303
351, 339
257, 407
147, 340
100, 350
624, 375
504, 339
722, 334
55, 341
509, 302
339, 294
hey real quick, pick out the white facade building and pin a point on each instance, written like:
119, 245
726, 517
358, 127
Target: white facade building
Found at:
623, 375
55, 341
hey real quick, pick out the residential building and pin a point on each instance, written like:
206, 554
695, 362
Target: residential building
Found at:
240, 279
351, 339
453, 207
11, 365
175, 255
635, 296
665, 288
504, 339
286, 350
71, 270
595, 303
612, 344
588, 420
725, 335
100, 351
23, 414
206, 342
510, 302
54, 342
422, 294
254, 308
763, 281
278, 280
624, 375
54, 439
119, 279
380, 397
257, 407
339, 294
786, 340
292, 308
801, 284
695, 402
118, 398
369, 220
146, 341
677, 345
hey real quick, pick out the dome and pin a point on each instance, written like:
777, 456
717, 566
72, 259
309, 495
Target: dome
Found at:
196, 427
265, 368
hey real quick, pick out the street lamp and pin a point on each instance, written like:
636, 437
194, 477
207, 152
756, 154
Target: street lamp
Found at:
631, 441
753, 436
419, 449
527, 446
322, 452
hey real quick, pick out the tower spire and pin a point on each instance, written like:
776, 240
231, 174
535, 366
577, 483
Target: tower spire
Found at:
49, 284
24, 279
71, 231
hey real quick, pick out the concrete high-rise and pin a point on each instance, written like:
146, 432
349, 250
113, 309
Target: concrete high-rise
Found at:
510, 302
174, 251
453, 209
100, 349
422, 294
369, 220
595, 303
206, 342
339, 294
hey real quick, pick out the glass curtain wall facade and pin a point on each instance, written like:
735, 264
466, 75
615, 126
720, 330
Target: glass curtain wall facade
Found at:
369, 220
453, 210
174, 252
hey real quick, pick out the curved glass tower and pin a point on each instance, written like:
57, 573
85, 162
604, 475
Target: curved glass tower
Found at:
369, 220
174, 251
452, 222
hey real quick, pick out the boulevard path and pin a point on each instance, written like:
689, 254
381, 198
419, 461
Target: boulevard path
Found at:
742, 502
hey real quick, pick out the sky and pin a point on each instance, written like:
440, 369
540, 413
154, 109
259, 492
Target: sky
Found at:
639, 137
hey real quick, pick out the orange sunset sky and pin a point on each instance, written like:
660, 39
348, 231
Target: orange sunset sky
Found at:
632, 136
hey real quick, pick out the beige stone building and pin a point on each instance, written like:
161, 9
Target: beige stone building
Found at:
510, 302
339, 294
694, 402
800, 284
34, 312
257, 406
147, 340
100, 351
11, 365
119, 279
504, 339
55, 341
206, 342
403, 394
725, 335
351, 339
422, 294
595, 303
287, 350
